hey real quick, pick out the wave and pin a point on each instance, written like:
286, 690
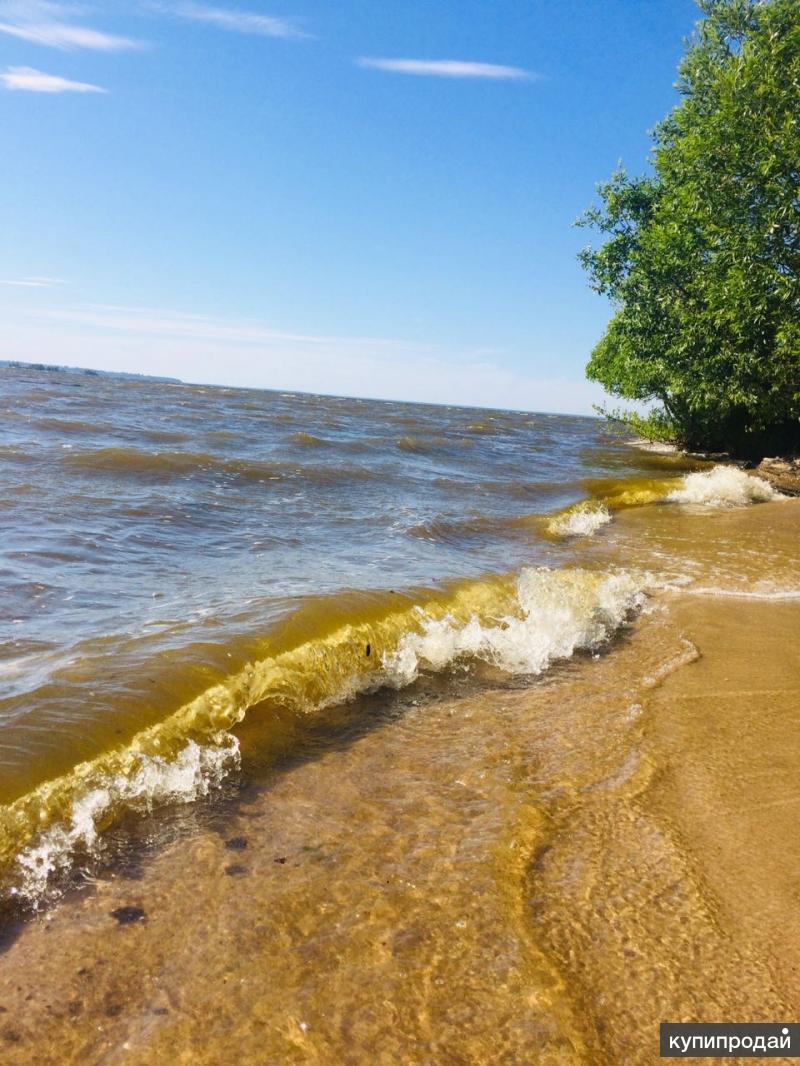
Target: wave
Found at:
431, 445
133, 462
459, 531
723, 486
582, 520
329, 652
606, 497
309, 440
510, 486
15, 453
483, 429
559, 612
156, 781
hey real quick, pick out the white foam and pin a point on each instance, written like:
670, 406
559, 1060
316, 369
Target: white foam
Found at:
560, 612
656, 446
723, 486
746, 594
581, 521
195, 770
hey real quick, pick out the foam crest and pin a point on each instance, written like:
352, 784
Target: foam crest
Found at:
723, 486
157, 781
559, 613
583, 520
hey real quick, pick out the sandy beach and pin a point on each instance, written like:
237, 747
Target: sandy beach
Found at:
536, 874
399, 533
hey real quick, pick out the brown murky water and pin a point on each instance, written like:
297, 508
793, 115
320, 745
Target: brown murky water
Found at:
495, 869
175, 556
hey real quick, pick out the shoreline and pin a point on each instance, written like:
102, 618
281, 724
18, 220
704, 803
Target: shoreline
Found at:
567, 855
695, 859
782, 472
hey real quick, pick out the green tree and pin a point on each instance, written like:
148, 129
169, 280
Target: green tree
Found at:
701, 259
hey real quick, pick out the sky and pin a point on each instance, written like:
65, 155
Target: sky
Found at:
361, 197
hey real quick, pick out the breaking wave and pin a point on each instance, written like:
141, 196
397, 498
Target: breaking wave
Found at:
723, 486
155, 782
580, 521
519, 624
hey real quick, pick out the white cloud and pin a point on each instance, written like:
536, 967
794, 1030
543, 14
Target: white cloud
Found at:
47, 23
33, 282
237, 21
62, 35
226, 352
448, 68
152, 322
35, 81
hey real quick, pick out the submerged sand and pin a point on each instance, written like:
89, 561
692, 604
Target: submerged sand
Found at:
509, 875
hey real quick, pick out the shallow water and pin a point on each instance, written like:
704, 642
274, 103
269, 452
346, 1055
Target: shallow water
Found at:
469, 870
174, 555
483, 805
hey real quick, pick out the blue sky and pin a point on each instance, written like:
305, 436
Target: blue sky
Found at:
362, 197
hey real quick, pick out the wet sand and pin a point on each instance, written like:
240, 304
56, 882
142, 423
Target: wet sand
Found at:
678, 899
515, 875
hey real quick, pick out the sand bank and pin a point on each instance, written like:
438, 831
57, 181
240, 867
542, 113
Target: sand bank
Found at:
490, 873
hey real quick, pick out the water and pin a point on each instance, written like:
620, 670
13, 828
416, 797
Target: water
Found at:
175, 556
424, 730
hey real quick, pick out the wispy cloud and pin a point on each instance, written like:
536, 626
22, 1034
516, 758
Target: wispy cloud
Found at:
448, 68
62, 35
237, 21
28, 79
33, 282
49, 23
152, 322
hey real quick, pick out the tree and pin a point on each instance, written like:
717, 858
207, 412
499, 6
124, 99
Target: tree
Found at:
702, 258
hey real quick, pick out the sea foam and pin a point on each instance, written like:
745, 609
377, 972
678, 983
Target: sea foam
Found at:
581, 521
723, 486
192, 774
561, 612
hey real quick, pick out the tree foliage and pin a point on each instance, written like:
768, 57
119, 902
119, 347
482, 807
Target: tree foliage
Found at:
701, 259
